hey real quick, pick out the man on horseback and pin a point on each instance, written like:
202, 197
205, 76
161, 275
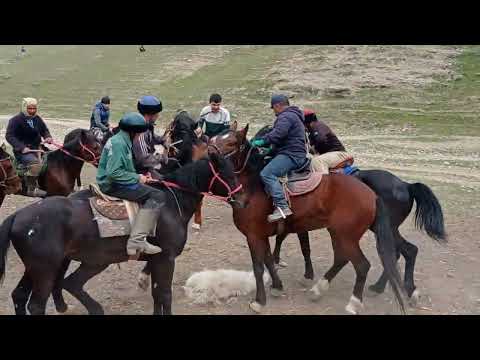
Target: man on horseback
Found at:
330, 152
144, 144
99, 119
24, 133
215, 117
288, 135
117, 177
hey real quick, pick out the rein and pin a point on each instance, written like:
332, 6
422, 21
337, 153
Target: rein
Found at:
3, 182
92, 162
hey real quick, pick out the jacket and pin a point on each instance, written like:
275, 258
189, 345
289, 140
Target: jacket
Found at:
288, 135
100, 117
20, 134
116, 163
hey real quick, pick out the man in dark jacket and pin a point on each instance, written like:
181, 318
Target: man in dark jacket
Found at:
24, 133
288, 135
100, 117
330, 152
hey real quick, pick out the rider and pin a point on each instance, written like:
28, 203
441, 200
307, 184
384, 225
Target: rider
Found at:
330, 152
100, 116
215, 117
117, 177
288, 135
144, 144
24, 133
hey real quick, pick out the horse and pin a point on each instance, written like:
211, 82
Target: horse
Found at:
398, 197
49, 233
329, 206
10, 182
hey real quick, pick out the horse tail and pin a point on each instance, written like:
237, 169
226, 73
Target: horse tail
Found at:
5, 243
387, 251
429, 214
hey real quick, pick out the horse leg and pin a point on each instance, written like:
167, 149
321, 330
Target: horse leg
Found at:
144, 277
257, 247
57, 294
362, 266
21, 294
276, 252
277, 286
409, 252
340, 259
162, 277
197, 220
43, 280
74, 285
305, 246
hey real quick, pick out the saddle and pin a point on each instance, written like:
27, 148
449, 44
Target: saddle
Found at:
114, 216
301, 181
343, 167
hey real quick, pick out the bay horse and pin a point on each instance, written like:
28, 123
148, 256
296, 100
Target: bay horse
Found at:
342, 204
398, 197
47, 233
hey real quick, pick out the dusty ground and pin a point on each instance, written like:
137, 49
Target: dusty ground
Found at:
446, 275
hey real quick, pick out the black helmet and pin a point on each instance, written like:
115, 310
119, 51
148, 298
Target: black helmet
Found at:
105, 100
133, 122
149, 105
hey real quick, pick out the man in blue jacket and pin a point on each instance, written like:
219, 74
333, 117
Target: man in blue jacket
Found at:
100, 117
288, 135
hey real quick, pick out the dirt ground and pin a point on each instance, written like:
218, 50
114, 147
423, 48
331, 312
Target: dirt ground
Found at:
445, 275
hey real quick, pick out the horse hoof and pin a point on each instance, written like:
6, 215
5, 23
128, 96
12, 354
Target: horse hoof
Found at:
143, 281
68, 309
276, 292
256, 307
319, 289
196, 226
282, 264
414, 299
62, 308
354, 306
307, 283
372, 291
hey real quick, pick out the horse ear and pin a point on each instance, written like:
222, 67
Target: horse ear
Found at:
234, 126
244, 131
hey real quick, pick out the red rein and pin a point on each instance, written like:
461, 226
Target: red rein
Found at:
93, 162
216, 176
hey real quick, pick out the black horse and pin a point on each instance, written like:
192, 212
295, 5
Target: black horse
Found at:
398, 197
50, 233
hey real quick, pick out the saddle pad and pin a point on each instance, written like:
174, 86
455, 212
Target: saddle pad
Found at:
113, 210
301, 187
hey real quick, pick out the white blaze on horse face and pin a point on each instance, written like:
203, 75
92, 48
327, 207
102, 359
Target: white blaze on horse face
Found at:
225, 137
214, 139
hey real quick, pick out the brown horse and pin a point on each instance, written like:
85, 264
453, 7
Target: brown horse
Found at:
10, 183
342, 204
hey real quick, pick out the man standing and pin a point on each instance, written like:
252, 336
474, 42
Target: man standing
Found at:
288, 134
24, 133
215, 117
99, 120
330, 152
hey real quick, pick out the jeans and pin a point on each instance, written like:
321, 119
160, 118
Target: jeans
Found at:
147, 196
279, 166
28, 158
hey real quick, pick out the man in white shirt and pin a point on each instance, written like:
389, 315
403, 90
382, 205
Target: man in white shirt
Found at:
215, 117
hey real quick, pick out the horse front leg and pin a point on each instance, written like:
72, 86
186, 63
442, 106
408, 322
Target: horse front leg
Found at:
257, 246
162, 276
197, 219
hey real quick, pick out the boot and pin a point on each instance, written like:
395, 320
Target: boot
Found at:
279, 213
31, 177
143, 226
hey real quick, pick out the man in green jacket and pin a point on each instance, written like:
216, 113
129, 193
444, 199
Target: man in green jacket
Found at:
117, 177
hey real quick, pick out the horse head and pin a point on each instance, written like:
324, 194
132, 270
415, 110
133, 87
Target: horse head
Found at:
10, 183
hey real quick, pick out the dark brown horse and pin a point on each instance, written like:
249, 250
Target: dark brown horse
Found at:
50, 233
10, 183
342, 204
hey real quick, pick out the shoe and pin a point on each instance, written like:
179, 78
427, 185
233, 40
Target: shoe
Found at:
143, 226
279, 214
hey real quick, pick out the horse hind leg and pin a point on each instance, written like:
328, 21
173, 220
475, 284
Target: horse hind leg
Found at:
409, 252
74, 285
21, 294
58, 299
42, 285
362, 266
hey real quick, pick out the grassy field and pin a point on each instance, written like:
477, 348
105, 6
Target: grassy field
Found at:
69, 79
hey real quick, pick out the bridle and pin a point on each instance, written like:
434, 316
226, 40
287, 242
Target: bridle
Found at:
95, 158
216, 177
6, 178
240, 150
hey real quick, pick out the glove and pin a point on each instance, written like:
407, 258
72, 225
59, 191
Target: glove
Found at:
258, 143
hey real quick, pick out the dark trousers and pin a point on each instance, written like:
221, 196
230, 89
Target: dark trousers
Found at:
147, 196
